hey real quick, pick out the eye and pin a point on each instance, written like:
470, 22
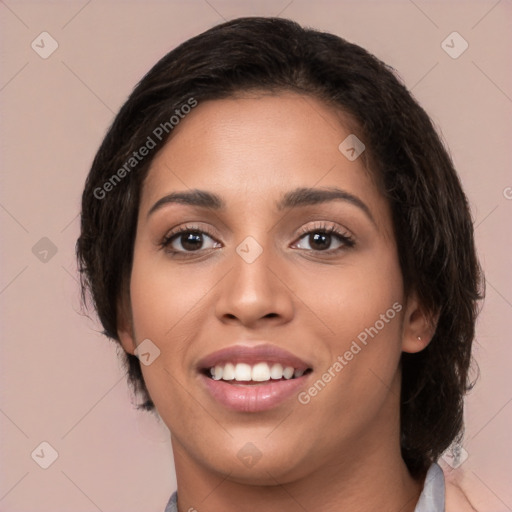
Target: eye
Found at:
321, 237
187, 239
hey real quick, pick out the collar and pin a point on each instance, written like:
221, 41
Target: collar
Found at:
432, 496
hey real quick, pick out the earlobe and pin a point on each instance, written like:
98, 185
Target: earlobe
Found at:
125, 327
418, 326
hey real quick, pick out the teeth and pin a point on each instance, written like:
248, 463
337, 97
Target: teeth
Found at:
288, 372
228, 373
260, 372
276, 372
242, 371
217, 372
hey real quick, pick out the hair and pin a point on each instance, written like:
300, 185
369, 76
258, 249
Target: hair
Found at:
430, 213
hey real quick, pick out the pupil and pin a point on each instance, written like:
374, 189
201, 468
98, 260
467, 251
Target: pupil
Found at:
321, 237
191, 241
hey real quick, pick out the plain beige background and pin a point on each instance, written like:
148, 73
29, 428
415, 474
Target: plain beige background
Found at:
61, 382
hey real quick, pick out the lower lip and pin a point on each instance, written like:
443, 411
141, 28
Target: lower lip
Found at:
253, 397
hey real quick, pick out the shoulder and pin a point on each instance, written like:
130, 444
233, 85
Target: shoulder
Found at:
456, 500
442, 491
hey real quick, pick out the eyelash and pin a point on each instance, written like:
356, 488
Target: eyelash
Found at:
346, 240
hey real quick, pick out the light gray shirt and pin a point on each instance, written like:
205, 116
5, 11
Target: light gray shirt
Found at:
431, 498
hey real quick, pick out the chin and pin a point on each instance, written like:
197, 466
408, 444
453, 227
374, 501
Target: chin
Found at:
260, 463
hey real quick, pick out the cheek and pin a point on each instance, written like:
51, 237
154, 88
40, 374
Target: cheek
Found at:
163, 300
363, 308
166, 305
354, 298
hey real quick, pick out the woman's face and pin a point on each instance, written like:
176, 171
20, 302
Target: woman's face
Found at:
263, 289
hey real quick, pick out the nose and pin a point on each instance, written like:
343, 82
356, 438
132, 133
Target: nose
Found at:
255, 291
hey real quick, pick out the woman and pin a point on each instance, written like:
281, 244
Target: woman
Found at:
273, 228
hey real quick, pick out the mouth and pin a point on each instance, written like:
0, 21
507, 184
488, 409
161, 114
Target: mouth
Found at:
253, 379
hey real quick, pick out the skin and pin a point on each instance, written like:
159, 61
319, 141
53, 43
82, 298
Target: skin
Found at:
341, 450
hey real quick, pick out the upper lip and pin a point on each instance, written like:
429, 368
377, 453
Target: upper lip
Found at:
264, 352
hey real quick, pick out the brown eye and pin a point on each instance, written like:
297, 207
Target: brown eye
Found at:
187, 240
190, 241
321, 239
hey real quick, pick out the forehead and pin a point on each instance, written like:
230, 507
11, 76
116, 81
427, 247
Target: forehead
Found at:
253, 148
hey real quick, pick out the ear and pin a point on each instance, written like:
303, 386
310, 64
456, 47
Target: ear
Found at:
419, 326
125, 325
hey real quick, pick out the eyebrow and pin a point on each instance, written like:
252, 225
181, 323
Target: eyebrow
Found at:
309, 196
296, 198
200, 198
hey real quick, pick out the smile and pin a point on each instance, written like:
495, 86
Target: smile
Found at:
253, 379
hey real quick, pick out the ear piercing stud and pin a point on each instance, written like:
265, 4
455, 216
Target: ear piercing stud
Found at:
419, 338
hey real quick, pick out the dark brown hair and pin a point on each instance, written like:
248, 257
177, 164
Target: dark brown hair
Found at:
431, 216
